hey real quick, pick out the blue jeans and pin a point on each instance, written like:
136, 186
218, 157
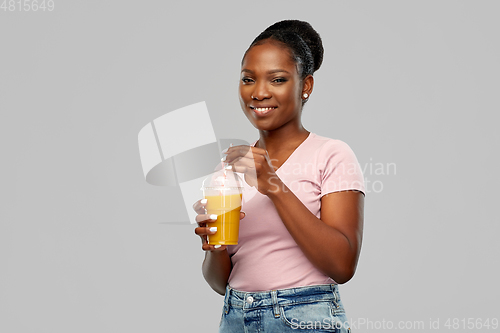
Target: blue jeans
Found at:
304, 309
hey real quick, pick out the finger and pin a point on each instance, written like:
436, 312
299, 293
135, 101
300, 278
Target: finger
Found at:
244, 161
238, 151
242, 215
208, 247
199, 206
200, 232
245, 150
203, 231
246, 165
243, 157
242, 169
205, 218
251, 155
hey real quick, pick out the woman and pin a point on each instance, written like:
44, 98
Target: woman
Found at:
303, 200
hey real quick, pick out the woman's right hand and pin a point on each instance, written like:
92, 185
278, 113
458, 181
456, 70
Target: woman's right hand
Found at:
204, 220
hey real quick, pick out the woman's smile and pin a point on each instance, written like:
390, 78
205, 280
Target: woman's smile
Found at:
262, 111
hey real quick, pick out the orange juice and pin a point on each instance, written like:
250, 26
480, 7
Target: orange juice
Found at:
227, 208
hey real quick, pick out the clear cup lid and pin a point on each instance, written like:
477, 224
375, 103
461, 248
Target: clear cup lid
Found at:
225, 178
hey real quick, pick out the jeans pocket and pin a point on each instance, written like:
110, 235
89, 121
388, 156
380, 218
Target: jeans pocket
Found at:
313, 316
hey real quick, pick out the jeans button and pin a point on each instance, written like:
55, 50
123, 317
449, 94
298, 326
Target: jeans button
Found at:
249, 299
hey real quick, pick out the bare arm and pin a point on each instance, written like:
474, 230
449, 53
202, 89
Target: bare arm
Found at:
216, 269
333, 242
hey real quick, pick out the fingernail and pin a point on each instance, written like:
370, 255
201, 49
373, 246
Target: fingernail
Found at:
203, 201
224, 158
213, 217
213, 229
217, 246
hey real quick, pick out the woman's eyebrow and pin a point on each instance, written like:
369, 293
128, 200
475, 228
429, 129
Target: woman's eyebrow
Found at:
277, 71
272, 71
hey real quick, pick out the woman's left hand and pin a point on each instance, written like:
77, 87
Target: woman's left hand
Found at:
256, 165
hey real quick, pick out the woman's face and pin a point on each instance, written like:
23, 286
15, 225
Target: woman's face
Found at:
270, 87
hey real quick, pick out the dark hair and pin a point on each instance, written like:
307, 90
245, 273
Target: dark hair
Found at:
304, 43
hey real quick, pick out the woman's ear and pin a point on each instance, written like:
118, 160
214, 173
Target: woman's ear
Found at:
307, 88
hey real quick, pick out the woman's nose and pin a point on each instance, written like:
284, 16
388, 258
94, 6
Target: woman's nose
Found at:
261, 91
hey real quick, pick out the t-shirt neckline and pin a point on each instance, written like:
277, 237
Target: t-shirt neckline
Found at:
291, 155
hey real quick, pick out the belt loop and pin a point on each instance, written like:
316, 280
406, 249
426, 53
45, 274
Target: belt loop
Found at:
335, 298
276, 308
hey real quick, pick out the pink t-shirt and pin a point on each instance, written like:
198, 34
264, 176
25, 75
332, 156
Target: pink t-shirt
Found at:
267, 257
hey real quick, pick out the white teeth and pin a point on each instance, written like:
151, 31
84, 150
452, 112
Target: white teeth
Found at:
263, 109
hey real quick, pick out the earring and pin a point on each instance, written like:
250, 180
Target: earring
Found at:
306, 95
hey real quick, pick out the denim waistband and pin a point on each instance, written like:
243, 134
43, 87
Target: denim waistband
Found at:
275, 298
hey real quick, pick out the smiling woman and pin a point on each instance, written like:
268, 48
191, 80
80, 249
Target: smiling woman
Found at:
300, 235
271, 90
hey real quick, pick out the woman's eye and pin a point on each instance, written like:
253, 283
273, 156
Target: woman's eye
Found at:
246, 80
279, 80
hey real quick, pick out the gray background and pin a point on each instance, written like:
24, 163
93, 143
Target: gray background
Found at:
86, 245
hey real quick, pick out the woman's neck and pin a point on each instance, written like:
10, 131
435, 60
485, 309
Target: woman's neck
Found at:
273, 141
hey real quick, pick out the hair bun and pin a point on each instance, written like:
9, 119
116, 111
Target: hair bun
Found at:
307, 33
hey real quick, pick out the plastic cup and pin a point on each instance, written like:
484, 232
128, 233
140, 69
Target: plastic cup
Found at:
223, 191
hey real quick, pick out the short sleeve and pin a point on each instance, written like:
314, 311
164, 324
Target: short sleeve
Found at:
340, 169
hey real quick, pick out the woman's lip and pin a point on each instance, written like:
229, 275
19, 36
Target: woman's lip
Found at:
262, 111
262, 108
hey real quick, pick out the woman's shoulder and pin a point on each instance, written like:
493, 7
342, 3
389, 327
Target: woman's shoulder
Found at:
328, 145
